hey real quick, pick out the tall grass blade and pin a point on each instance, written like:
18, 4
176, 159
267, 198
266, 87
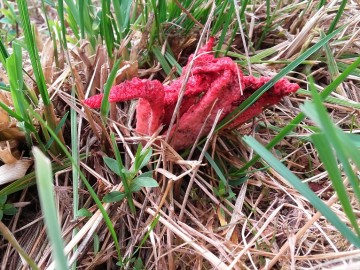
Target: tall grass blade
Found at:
107, 27
123, 176
303, 189
3, 53
46, 194
60, 10
33, 52
337, 17
122, 15
104, 109
318, 113
327, 156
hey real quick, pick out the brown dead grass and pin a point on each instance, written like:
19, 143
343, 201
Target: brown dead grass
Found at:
267, 225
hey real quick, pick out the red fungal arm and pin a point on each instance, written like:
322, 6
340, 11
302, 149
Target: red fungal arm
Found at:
150, 109
273, 96
94, 101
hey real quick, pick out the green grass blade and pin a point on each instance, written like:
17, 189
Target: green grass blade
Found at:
57, 130
122, 11
337, 17
333, 100
107, 27
172, 61
104, 109
216, 169
3, 53
73, 10
317, 112
14, 68
81, 5
46, 194
4, 87
332, 65
326, 155
161, 59
303, 189
18, 117
33, 52
123, 176
60, 10
269, 20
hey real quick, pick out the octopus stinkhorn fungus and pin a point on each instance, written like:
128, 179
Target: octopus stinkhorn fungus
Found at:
214, 84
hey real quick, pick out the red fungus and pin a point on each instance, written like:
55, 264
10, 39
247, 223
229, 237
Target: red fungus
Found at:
215, 84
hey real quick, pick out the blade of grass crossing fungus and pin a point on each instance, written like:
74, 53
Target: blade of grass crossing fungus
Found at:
104, 109
297, 120
87, 185
46, 193
257, 94
303, 189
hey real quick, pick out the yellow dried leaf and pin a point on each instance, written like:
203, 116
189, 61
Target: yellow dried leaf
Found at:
221, 217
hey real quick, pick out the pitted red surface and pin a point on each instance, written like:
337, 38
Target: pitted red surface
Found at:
214, 84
